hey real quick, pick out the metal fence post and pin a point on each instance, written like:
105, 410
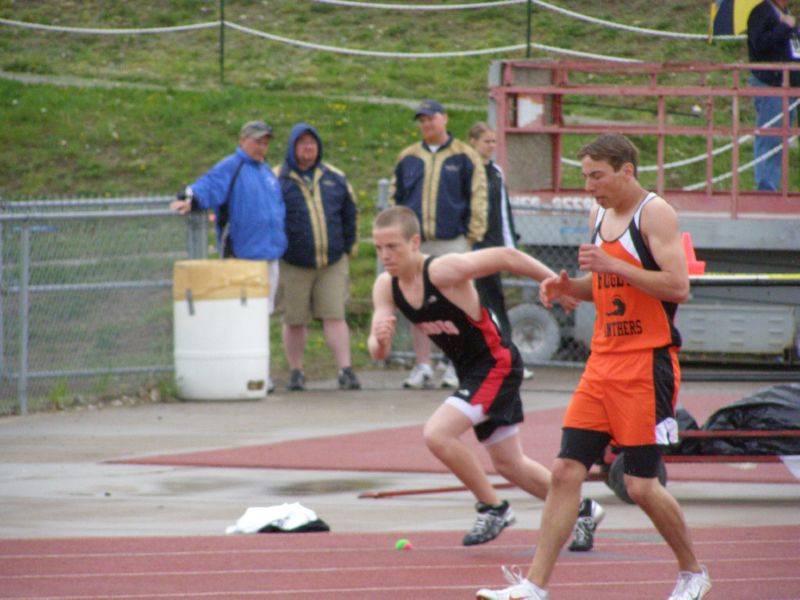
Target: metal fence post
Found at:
2, 298
383, 195
197, 235
24, 312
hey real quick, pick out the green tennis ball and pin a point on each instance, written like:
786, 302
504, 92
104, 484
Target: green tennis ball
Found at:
402, 544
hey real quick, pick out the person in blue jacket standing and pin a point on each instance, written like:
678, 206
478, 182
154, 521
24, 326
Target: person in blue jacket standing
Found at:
322, 228
246, 198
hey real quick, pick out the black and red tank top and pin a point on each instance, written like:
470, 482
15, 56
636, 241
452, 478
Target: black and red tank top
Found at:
463, 340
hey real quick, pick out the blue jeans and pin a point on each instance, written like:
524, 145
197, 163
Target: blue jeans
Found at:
768, 171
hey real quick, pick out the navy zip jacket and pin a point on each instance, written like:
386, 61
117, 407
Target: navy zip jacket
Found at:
321, 213
447, 189
769, 40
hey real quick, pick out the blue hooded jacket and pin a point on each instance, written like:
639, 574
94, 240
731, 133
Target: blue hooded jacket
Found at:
321, 213
256, 211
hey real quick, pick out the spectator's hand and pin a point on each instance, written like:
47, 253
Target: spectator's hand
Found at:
789, 20
181, 206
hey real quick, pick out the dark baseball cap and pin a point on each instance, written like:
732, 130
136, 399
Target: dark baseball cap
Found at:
255, 129
428, 108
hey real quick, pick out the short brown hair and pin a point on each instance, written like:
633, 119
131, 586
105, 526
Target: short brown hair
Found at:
613, 148
478, 129
401, 216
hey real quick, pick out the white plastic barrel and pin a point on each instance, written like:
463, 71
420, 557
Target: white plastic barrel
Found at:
221, 324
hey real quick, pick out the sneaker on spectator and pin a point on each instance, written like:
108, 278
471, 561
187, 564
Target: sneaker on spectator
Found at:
270, 385
449, 377
297, 381
490, 522
520, 589
348, 380
527, 373
691, 586
421, 376
589, 517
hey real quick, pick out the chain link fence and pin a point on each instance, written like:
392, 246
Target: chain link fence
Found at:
85, 296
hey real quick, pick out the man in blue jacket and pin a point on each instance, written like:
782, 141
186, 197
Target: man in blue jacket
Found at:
247, 202
243, 191
321, 226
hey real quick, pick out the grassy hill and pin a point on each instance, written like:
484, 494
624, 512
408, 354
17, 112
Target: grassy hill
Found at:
117, 114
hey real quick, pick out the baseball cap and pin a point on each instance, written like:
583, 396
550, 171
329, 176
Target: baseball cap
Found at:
428, 108
255, 129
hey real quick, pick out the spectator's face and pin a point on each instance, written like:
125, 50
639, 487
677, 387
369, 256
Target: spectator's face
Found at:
306, 151
485, 145
256, 148
433, 128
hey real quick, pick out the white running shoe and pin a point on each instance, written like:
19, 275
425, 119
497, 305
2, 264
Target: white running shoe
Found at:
691, 586
421, 376
527, 373
449, 378
520, 589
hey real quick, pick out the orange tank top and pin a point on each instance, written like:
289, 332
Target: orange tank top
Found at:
627, 318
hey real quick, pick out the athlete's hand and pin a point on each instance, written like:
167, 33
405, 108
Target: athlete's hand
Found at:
383, 330
594, 259
569, 303
553, 288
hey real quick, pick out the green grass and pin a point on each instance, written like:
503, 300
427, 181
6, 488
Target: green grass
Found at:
98, 141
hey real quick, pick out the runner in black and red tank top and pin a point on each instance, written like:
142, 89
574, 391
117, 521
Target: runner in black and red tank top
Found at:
489, 368
438, 295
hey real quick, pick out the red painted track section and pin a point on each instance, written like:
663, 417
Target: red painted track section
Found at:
541, 434
758, 563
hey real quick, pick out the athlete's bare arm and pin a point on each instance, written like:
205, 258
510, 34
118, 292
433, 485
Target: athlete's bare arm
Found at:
659, 227
451, 269
384, 320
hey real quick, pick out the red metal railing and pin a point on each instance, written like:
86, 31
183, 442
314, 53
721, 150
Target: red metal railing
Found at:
718, 89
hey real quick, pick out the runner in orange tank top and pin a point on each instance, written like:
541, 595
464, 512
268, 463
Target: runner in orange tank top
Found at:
637, 276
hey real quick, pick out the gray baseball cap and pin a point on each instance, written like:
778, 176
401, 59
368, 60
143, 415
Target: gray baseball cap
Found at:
255, 129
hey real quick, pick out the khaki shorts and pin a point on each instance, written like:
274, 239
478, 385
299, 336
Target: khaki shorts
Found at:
305, 293
440, 247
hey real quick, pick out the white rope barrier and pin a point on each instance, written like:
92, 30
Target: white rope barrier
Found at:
421, 6
310, 45
106, 31
632, 29
540, 3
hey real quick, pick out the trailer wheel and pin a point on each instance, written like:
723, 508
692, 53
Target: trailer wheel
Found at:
616, 478
535, 332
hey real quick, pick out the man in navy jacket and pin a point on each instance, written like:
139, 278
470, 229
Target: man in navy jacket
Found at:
321, 227
772, 36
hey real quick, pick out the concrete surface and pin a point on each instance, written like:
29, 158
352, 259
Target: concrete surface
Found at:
55, 481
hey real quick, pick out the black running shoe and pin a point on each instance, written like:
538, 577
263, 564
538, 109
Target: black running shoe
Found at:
589, 517
490, 522
348, 380
297, 381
